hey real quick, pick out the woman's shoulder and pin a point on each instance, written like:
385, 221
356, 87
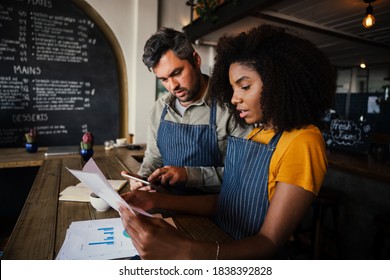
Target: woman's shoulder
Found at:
310, 132
297, 139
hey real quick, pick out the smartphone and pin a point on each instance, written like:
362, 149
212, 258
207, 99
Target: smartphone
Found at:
129, 176
134, 147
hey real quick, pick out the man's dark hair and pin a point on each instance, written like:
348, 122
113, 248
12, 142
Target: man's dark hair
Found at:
167, 39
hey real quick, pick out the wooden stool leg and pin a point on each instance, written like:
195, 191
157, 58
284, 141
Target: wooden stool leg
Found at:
318, 227
381, 244
323, 204
335, 212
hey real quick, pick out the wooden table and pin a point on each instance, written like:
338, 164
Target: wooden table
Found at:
42, 224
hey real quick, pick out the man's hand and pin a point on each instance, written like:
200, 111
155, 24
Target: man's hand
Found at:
169, 176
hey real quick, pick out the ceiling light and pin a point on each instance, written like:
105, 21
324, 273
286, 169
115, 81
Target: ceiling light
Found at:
362, 65
369, 19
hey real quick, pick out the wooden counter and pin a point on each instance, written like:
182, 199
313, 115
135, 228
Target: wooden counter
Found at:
360, 164
19, 157
42, 224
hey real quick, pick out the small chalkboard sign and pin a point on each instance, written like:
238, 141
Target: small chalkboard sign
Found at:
348, 135
59, 73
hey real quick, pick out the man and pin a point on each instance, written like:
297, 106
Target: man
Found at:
187, 132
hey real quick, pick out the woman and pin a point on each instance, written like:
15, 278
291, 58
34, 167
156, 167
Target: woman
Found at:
283, 84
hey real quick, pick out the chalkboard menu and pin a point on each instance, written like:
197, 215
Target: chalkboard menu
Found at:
348, 135
58, 73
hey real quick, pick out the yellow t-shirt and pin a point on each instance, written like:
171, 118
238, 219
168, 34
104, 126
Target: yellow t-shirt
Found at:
299, 158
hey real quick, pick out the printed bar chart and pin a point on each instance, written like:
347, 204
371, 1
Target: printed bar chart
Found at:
108, 240
100, 239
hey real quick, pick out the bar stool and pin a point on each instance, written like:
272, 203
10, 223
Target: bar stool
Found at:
381, 246
320, 227
325, 206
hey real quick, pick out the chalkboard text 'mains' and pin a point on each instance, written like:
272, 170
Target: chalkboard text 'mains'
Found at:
27, 70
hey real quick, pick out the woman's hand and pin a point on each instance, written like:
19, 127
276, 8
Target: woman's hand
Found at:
135, 185
169, 176
154, 238
141, 199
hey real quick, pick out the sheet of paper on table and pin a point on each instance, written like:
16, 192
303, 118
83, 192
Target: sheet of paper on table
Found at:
101, 239
94, 179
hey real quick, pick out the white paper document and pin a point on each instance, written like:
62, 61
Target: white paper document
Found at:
94, 179
97, 240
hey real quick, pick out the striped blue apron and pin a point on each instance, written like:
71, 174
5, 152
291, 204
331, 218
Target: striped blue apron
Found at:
243, 201
189, 145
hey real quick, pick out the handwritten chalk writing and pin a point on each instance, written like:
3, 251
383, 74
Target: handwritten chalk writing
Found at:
341, 125
52, 129
345, 132
27, 70
29, 118
42, 3
10, 135
345, 138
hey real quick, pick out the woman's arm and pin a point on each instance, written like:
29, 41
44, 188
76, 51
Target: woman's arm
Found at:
205, 205
154, 238
287, 208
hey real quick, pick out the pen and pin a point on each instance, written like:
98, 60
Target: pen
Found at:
129, 176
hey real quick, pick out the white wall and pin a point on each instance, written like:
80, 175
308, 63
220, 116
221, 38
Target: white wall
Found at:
132, 22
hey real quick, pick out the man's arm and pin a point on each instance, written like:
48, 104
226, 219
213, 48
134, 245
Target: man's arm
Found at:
152, 159
208, 179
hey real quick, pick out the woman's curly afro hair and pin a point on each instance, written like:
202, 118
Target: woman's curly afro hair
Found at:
298, 80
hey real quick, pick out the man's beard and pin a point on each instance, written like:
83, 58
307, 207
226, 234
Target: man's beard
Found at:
192, 94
